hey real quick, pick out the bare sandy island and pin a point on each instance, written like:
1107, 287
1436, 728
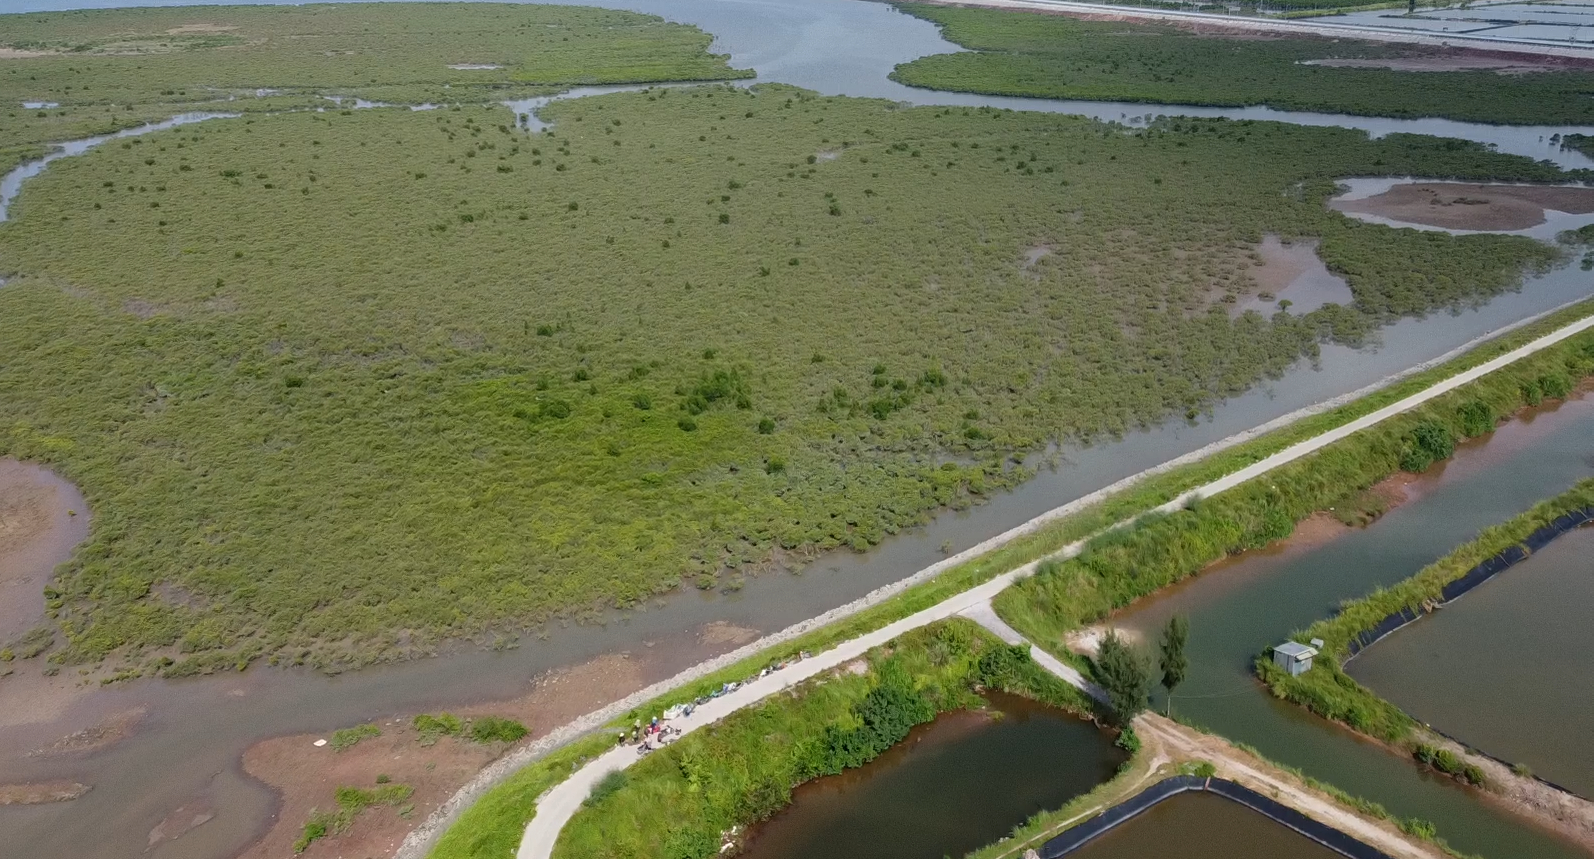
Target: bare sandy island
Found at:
41, 792
42, 518
1457, 206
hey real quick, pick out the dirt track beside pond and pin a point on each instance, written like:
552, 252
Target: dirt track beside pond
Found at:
1455, 206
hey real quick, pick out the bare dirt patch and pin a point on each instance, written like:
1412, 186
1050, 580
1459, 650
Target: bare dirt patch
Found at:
190, 29
721, 632
1033, 255
42, 518
307, 777
1457, 206
41, 792
1570, 815
1440, 63
24, 54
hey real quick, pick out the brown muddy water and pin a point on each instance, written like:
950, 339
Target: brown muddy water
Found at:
952, 786
1294, 273
1506, 668
1199, 825
42, 517
1241, 606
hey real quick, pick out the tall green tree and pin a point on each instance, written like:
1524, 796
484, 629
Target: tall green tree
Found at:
1174, 662
1125, 675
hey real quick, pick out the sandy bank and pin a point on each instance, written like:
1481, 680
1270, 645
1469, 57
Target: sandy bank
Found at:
41, 792
1456, 206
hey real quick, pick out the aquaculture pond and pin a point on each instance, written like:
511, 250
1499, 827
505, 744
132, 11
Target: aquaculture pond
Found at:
1239, 607
1199, 825
1505, 668
953, 785
188, 747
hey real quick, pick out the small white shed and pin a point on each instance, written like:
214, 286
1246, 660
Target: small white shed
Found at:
1294, 657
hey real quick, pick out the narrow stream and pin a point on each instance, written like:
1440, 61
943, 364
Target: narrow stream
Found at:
197, 729
952, 786
1500, 668
1239, 607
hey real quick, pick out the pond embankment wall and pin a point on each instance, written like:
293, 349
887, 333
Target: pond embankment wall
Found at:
1323, 834
1479, 574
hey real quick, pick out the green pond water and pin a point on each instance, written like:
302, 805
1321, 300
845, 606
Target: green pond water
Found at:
1242, 606
1201, 826
952, 786
1506, 668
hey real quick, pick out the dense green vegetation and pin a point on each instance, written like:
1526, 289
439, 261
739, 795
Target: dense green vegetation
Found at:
1029, 54
1329, 692
325, 377
1120, 566
677, 801
113, 69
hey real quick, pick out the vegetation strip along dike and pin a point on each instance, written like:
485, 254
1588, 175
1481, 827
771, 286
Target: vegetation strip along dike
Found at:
486, 818
1331, 693
1053, 56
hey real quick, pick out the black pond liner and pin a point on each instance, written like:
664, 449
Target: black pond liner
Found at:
1473, 577
1093, 828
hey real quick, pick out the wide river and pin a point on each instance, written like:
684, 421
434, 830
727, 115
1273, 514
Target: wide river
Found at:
190, 743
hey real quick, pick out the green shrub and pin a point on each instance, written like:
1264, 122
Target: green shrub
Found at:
348, 738
1476, 418
431, 727
492, 729
610, 784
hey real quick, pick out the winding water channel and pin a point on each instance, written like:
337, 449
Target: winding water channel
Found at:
191, 739
1241, 606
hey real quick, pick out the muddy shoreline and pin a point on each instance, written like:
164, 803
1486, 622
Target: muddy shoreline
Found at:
1471, 207
42, 519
